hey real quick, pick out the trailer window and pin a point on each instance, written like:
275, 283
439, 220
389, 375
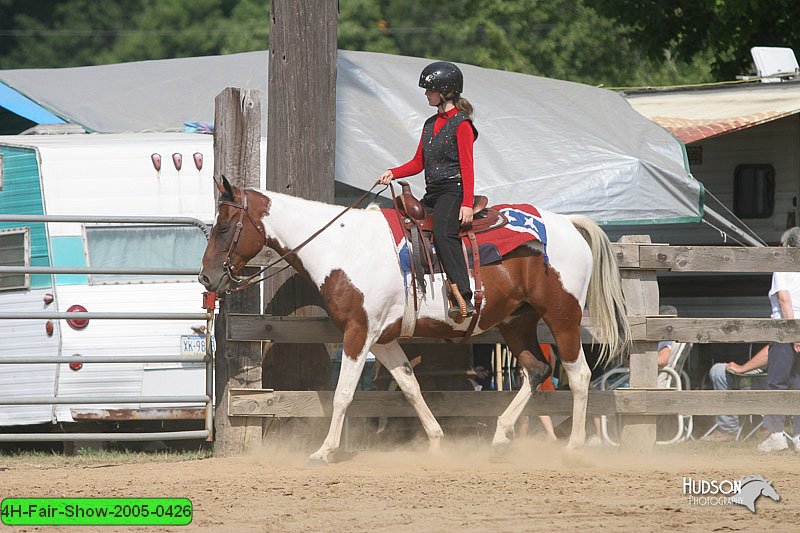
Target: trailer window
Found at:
14, 251
144, 247
754, 191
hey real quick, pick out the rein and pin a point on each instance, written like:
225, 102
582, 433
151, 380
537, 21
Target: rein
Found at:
244, 283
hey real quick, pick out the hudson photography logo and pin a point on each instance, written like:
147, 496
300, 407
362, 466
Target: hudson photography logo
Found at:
744, 491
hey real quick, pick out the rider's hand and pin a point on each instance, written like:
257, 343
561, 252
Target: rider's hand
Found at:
465, 215
386, 177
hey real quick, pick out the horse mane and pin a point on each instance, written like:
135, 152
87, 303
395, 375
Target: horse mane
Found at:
745, 480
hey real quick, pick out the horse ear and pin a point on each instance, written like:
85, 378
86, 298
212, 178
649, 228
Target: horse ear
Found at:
220, 186
227, 186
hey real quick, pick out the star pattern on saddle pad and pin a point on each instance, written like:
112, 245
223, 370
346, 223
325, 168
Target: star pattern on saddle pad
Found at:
525, 222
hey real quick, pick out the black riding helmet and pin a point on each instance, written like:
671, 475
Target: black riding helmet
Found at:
443, 77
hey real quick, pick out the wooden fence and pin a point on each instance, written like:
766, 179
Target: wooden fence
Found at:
639, 260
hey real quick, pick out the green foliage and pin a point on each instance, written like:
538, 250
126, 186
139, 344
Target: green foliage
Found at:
565, 39
61, 33
361, 27
722, 30
50, 33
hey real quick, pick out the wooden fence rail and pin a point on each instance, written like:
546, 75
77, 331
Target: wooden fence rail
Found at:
248, 327
310, 404
638, 260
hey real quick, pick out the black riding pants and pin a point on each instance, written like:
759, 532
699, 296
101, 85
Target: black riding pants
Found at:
445, 199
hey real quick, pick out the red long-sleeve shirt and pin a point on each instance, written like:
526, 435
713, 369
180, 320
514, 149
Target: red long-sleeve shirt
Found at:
465, 138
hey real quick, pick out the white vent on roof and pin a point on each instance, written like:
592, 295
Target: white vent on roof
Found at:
54, 129
773, 63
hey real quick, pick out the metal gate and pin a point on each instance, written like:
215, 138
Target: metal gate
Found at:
208, 316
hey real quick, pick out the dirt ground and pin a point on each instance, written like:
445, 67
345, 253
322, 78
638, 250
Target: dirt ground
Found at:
538, 487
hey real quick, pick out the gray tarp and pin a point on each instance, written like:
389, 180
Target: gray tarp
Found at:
559, 145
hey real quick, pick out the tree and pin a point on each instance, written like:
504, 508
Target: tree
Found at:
564, 39
361, 26
725, 30
49, 33
64, 33
185, 28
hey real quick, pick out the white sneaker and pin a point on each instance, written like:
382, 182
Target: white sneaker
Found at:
774, 443
594, 441
796, 443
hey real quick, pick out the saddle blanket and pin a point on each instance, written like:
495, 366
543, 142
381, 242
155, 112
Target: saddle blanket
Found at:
525, 224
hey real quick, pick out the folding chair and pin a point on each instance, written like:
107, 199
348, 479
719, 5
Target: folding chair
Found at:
672, 376
752, 380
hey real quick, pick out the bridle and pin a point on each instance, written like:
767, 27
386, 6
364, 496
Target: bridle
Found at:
227, 266
244, 283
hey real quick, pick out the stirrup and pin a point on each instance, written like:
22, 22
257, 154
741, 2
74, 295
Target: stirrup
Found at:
461, 309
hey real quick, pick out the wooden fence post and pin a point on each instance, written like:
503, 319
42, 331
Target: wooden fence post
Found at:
640, 288
237, 137
301, 128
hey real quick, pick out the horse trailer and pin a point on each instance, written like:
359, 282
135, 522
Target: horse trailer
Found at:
95, 181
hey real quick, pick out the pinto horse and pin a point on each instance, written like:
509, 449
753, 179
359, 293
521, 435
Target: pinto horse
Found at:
354, 265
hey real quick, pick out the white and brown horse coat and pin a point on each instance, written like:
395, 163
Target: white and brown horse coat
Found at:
355, 267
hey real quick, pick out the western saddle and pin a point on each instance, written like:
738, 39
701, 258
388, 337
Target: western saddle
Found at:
417, 225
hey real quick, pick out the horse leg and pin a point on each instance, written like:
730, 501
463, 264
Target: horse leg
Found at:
566, 328
393, 357
520, 334
345, 388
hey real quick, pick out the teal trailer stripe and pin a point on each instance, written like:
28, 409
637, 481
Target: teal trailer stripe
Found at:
68, 252
22, 195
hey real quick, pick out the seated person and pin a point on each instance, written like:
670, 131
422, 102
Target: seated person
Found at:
728, 426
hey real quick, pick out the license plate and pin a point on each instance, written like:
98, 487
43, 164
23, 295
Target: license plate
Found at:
195, 344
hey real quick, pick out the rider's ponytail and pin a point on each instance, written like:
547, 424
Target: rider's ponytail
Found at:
463, 105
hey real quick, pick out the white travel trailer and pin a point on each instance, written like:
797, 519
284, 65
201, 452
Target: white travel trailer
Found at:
167, 175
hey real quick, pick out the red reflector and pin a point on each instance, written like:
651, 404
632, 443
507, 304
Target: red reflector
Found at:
77, 323
48, 327
75, 366
209, 301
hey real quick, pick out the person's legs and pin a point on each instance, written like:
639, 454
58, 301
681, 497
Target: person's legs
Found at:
781, 360
448, 244
547, 422
794, 384
727, 423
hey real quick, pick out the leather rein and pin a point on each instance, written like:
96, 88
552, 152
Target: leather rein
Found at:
244, 283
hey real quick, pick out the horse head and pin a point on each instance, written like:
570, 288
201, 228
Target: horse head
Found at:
752, 487
769, 491
237, 236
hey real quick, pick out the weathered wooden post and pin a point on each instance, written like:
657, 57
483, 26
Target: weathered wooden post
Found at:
237, 137
301, 129
640, 288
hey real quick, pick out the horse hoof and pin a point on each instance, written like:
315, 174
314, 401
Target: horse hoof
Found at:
576, 457
316, 462
500, 449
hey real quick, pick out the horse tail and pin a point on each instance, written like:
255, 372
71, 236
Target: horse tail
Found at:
605, 300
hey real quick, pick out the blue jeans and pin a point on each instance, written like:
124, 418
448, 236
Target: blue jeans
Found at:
784, 374
719, 378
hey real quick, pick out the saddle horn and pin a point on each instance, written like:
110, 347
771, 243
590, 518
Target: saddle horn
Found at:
411, 206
